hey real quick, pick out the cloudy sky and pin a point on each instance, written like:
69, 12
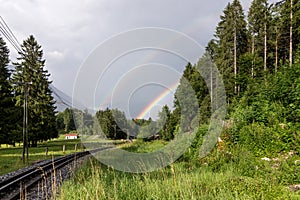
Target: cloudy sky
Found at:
69, 30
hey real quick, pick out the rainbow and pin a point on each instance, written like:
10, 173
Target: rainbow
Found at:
107, 98
156, 100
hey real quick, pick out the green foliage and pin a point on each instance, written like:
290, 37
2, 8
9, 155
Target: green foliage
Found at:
236, 175
192, 99
284, 23
263, 119
232, 27
261, 26
267, 116
165, 125
146, 129
82, 121
68, 118
60, 125
263, 140
30, 78
186, 101
8, 111
286, 89
140, 146
113, 123
193, 152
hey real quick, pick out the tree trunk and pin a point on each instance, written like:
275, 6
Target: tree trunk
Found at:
291, 35
234, 62
276, 50
265, 44
253, 59
211, 86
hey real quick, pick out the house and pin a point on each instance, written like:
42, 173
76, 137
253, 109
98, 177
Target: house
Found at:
71, 136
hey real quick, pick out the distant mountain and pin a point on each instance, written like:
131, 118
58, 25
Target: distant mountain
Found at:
63, 100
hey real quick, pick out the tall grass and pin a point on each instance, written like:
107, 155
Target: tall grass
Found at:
181, 180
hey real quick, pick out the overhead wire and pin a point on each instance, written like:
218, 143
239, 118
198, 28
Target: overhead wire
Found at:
9, 35
10, 31
5, 34
62, 100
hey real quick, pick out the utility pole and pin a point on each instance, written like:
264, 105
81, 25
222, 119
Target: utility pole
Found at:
25, 121
24, 124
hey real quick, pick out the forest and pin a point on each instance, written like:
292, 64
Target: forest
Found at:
25, 91
257, 154
257, 56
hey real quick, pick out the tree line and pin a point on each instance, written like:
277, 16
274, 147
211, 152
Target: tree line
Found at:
249, 52
26, 79
258, 59
246, 49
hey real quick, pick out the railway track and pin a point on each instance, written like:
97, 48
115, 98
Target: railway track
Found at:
15, 187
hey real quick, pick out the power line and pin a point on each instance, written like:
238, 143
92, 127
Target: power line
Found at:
9, 35
5, 34
62, 100
65, 99
10, 30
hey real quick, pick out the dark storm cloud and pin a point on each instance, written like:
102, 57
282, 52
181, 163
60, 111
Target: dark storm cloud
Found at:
69, 30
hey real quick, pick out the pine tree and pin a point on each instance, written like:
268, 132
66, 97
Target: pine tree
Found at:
69, 123
188, 96
231, 35
31, 77
289, 28
276, 21
165, 124
7, 108
113, 124
261, 28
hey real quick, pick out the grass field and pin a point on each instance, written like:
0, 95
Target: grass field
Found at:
10, 157
219, 176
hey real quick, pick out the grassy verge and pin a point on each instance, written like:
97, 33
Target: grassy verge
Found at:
11, 157
206, 179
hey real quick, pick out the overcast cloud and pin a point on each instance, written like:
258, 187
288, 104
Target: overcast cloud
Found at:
69, 30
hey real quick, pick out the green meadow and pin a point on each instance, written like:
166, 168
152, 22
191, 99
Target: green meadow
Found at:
10, 157
237, 174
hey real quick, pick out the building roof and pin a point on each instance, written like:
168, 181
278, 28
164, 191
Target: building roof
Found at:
72, 134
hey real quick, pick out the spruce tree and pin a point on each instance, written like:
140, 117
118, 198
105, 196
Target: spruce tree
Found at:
165, 125
188, 96
7, 108
31, 77
262, 45
231, 35
289, 28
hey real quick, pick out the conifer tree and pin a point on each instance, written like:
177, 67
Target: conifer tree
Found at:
260, 27
32, 79
231, 35
289, 28
165, 125
7, 108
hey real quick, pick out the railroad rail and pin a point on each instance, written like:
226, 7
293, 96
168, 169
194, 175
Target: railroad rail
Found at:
16, 186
